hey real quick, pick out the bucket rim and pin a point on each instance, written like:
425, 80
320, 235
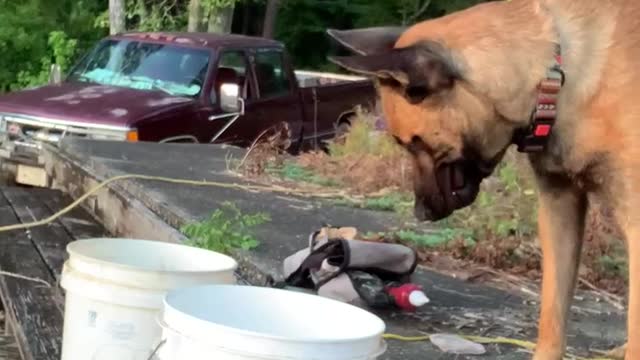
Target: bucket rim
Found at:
381, 349
73, 252
381, 325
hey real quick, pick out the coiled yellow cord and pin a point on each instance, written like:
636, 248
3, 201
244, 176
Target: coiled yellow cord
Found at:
104, 183
482, 340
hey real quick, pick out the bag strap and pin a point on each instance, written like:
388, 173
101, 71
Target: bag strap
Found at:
335, 251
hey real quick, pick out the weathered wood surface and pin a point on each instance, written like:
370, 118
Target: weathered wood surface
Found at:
33, 309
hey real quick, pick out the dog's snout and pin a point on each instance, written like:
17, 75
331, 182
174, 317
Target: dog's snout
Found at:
445, 189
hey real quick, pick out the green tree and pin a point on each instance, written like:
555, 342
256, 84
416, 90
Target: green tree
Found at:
302, 24
37, 33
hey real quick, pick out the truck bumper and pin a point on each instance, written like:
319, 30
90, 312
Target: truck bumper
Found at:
23, 161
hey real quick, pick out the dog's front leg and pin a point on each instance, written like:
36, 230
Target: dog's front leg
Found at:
632, 234
561, 218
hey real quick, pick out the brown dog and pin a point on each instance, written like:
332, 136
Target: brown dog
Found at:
459, 90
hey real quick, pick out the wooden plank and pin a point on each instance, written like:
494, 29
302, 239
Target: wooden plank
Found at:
36, 318
78, 222
50, 240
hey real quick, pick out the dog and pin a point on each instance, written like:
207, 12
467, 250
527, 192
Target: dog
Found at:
559, 78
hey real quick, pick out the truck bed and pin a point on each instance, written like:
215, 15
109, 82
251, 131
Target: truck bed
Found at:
315, 78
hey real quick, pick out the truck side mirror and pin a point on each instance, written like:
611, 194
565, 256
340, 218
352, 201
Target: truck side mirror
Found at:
230, 101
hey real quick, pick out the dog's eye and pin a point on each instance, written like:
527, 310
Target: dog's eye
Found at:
416, 94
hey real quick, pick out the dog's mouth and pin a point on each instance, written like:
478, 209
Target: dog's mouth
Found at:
457, 185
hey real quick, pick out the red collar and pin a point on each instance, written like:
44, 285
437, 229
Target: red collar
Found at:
535, 137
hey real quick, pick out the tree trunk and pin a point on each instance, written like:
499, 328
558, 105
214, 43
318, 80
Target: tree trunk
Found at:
195, 16
270, 17
220, 20
116, 16
246, 15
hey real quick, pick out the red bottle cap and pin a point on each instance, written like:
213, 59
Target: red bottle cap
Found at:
403, 296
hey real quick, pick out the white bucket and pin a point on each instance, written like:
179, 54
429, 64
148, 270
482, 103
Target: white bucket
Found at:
115, 290
241, 322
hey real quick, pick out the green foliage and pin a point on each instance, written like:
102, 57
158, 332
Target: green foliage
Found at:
398, 202
435, 238
362, 139
226, 229
614, 265
209, 5
63, 51
295, 172
304, 22
506, 205
36, 33
150, 15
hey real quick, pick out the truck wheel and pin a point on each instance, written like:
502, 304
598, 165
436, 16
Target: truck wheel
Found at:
343, 129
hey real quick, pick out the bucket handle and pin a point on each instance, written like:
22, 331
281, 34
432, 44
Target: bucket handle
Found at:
156, 349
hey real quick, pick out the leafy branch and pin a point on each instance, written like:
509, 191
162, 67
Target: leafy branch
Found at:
226, 229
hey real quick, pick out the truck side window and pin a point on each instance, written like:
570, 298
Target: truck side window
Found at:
273, 80
232, 68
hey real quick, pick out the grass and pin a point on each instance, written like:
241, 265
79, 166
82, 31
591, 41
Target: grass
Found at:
436, 239
363, 140
225, 230
398, 202
506, 205
295, 172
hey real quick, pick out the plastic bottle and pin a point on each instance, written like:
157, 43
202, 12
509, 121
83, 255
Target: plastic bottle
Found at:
408, 296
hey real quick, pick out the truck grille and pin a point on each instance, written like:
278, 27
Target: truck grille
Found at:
21, 128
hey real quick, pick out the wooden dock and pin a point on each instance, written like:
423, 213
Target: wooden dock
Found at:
32, 299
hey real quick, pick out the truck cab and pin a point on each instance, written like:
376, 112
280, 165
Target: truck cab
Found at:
167, 87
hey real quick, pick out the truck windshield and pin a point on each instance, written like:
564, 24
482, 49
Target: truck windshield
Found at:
175, 70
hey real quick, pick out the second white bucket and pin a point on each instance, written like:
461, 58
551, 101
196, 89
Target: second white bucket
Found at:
115, 290
255, 323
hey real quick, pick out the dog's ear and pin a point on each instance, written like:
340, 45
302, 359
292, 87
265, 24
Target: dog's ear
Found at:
369, 40
421, 70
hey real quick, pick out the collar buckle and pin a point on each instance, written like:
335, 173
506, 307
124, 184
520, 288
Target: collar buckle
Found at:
535, 137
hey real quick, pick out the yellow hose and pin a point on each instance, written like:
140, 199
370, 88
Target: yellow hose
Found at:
483, 340
104, 183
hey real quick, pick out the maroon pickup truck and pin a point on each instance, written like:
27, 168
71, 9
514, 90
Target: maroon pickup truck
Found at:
166, 87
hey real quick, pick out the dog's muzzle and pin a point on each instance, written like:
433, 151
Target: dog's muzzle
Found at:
456, 186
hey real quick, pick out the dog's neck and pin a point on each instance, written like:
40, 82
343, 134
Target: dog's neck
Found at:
583, 30
508, 48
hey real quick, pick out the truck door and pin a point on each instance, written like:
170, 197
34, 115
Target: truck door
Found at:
278, 99
232, 67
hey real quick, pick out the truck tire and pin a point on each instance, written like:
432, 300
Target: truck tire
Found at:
342, 129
